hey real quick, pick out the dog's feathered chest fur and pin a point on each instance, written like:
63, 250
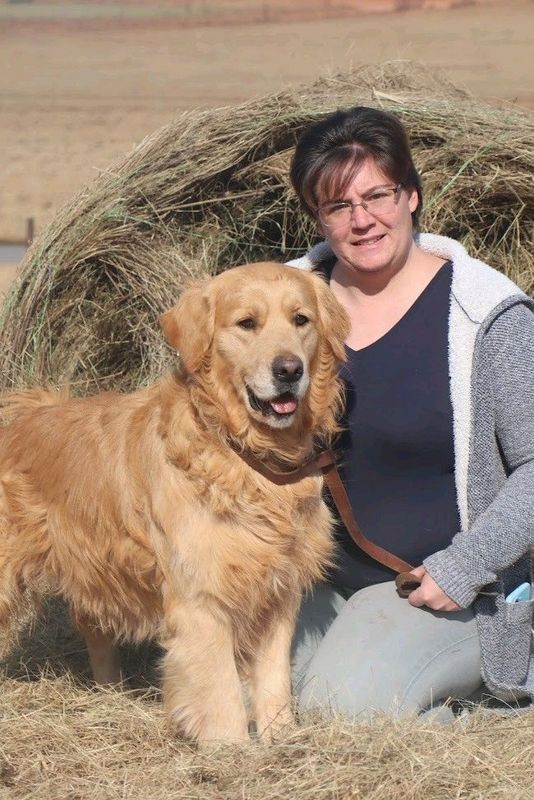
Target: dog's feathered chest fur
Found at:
247, 541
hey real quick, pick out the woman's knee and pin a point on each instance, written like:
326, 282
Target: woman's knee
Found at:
318, 611
380, 653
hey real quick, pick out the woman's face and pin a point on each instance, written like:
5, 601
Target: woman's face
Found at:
371, 242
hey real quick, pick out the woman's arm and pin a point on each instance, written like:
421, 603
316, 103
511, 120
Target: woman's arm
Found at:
504, 532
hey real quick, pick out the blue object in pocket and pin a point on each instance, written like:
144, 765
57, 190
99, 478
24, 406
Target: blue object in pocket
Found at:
519, 594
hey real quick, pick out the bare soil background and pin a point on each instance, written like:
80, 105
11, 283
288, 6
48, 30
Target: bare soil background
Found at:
7, 274
73, 99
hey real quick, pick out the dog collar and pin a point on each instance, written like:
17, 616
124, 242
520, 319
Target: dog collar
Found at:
314, 466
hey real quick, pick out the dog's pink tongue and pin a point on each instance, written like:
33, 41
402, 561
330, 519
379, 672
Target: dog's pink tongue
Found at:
285, 404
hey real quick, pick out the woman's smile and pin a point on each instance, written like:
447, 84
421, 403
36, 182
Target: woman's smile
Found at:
369, 242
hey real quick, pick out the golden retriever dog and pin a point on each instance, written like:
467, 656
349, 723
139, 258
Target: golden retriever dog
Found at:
142, 511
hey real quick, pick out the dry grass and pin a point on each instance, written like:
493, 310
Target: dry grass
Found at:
210, 191
58, 740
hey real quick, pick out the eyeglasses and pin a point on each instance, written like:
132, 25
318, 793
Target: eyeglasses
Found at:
339, 212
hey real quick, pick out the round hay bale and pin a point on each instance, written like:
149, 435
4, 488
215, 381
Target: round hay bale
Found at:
210, 191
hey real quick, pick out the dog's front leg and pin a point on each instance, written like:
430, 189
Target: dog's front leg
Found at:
201, 688
270, 681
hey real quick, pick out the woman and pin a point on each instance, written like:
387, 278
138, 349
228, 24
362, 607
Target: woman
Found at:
438, 451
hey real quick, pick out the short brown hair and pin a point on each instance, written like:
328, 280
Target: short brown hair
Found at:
329, 153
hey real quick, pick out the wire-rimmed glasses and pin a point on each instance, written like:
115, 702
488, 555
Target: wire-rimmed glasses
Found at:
339, 212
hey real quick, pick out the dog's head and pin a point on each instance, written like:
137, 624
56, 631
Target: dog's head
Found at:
264, 342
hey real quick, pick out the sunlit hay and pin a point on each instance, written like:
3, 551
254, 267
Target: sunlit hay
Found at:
210, 190
59, 740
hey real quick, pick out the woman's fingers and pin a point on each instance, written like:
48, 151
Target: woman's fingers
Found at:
429, 594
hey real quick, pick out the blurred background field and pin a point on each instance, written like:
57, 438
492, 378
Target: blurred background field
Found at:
80, 84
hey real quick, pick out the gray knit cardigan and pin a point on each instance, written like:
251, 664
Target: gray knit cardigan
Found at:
491, 367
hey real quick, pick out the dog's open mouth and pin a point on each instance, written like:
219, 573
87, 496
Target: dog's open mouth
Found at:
281, 406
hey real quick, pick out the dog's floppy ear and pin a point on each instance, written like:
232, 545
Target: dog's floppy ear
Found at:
189, 326
326, 387
333, 318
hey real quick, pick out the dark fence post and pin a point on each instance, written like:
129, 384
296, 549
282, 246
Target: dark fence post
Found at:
30, 230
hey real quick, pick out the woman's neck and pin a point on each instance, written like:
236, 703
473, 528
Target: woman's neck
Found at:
408, 277
375, 302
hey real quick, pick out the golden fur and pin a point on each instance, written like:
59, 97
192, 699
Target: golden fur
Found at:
136, 509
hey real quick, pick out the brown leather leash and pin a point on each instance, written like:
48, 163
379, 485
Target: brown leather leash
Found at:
405, 581
325, 463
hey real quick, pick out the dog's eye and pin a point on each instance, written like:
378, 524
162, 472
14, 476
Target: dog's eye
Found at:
248, 324
300, 320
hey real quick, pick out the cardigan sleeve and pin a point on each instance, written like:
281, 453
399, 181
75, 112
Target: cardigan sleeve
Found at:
504, 532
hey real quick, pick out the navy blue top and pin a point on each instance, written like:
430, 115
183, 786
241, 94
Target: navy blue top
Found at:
397, 459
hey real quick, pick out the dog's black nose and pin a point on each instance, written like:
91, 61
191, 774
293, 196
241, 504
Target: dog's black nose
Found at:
287, 369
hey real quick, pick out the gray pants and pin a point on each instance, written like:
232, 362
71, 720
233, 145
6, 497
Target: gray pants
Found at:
376, 652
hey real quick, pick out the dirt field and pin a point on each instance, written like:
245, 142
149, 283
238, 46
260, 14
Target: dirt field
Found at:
74, 99
7, 273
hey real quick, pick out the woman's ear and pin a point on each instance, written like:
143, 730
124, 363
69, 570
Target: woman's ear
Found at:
413, 198
189, 326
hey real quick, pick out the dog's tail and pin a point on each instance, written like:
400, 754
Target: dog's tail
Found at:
12, 404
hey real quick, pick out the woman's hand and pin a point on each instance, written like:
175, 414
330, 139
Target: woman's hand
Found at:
429, 593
